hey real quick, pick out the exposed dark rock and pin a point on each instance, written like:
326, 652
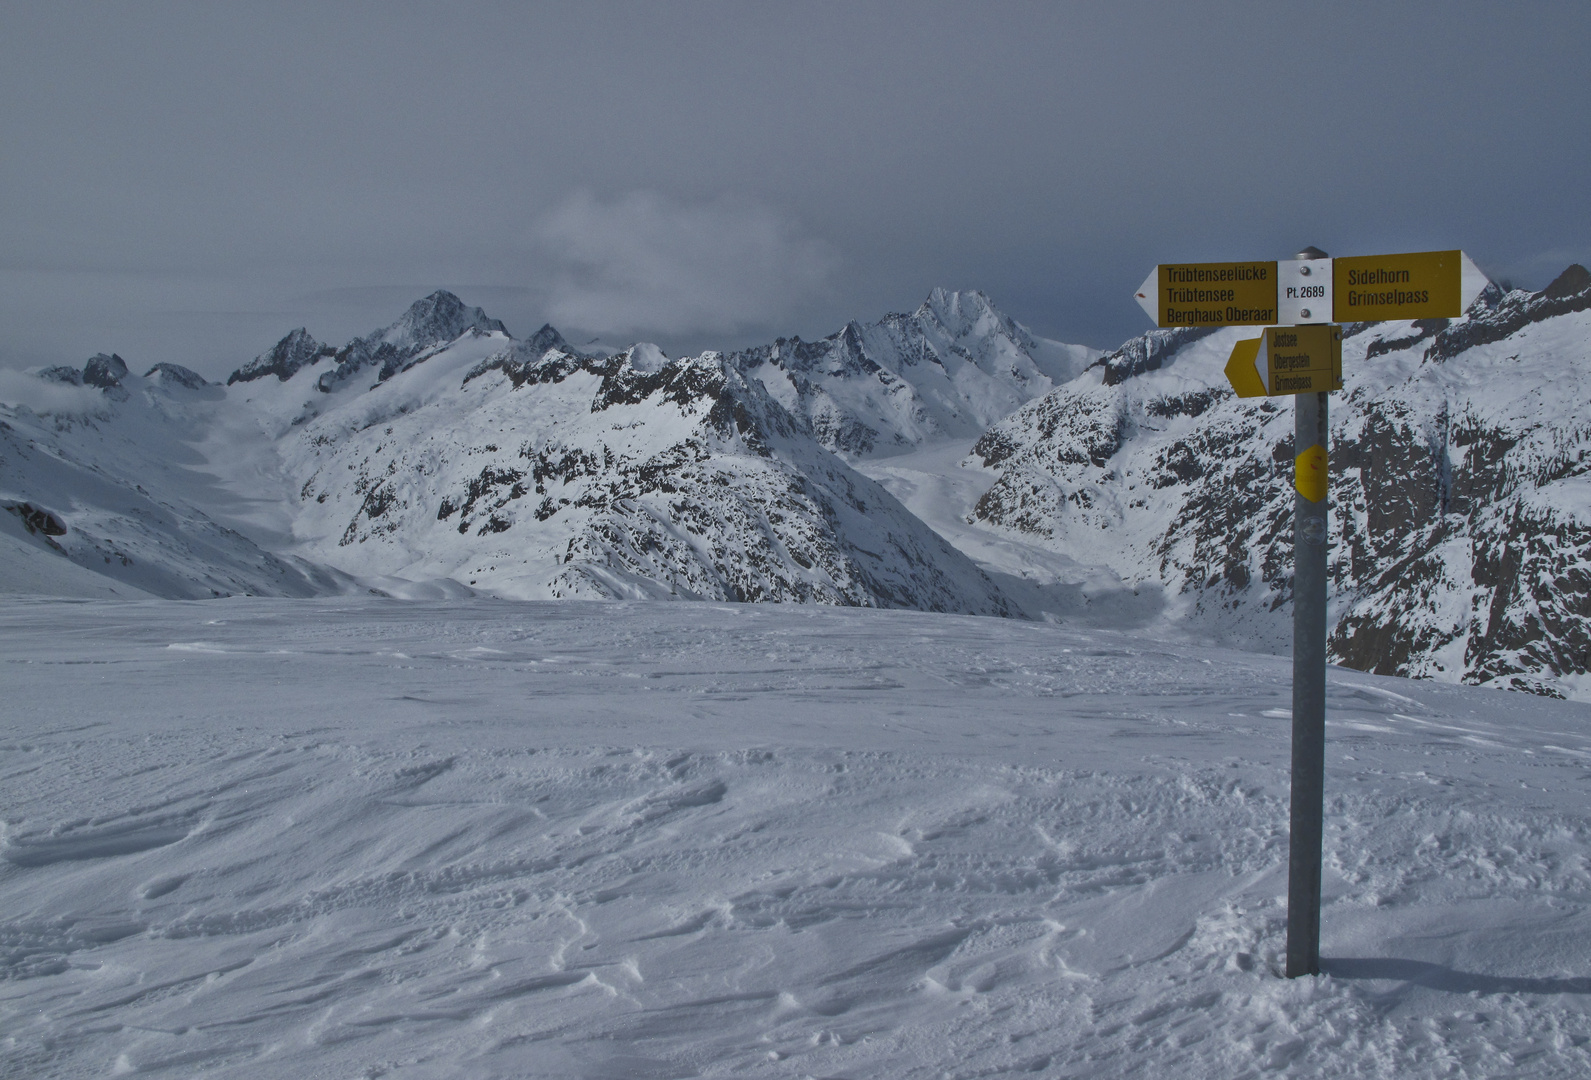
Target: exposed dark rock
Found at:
36, 519
1460, 545
104, 371
1148, 352
1570, 291
61, 373
284, 359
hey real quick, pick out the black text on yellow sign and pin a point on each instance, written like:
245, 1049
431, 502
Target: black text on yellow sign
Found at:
1211, 294
1419, 285
1287, 360
1362, 288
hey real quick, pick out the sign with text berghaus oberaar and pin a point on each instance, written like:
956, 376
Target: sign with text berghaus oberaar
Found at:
1210, 294
1363, 288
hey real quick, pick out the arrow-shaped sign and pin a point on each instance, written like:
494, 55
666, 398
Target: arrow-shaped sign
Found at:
1287, 360
1365, 288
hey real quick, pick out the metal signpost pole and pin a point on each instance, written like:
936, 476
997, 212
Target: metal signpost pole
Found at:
1309, 695
1299, 355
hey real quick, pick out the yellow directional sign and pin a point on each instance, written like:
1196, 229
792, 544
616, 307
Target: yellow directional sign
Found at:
1364, 288
1300, 359
1287, 360
1210, 294
1240, 369
1418, 285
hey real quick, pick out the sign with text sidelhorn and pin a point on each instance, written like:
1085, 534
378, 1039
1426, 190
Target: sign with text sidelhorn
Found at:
1363, 288
1419, 285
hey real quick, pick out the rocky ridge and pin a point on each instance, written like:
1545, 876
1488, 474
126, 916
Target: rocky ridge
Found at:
1461, 488
947, 370
537, 472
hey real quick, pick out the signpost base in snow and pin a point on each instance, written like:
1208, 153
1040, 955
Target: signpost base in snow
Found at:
1302, 357
1310, 440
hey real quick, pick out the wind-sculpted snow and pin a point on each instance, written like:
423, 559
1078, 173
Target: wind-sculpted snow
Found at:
948, 370
1461, 519
355, 837
537, 473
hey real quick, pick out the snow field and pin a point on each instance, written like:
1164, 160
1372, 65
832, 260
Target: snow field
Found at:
345, 838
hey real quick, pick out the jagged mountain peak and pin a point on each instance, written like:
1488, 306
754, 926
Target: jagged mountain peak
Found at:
947, 370
430, 322
969, 312
285, 359
104, 370
548, 339
1574, 279
435, 319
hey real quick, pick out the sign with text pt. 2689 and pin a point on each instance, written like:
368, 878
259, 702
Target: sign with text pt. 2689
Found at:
1312, 289
1300, 355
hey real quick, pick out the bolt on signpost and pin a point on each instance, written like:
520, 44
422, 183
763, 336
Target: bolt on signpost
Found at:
1302, 358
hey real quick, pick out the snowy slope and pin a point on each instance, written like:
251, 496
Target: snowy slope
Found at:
113, 465
947, 371
534, 473
352, 837
1461, 527
437, 456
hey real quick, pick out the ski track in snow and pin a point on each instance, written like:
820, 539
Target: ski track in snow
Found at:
361, 838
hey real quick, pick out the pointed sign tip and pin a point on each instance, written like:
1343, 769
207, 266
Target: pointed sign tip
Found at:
1146, 295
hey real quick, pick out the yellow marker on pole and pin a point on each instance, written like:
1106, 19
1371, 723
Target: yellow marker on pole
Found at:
1309, 473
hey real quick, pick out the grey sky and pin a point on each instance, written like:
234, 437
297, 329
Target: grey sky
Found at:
189, 182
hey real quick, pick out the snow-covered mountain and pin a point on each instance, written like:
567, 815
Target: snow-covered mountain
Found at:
436, 321
530, 471
440, 450
107, 497
1460, 499
948, 370
439, 455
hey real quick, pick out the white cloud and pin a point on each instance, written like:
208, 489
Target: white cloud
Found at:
644, 263
18, 388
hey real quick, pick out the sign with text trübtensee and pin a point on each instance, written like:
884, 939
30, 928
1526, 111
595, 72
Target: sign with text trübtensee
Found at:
1211, 294
1363, 288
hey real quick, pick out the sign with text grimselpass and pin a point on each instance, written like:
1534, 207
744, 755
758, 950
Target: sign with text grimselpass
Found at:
1418, 285
1362, 288
1210, 294
1287, 360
